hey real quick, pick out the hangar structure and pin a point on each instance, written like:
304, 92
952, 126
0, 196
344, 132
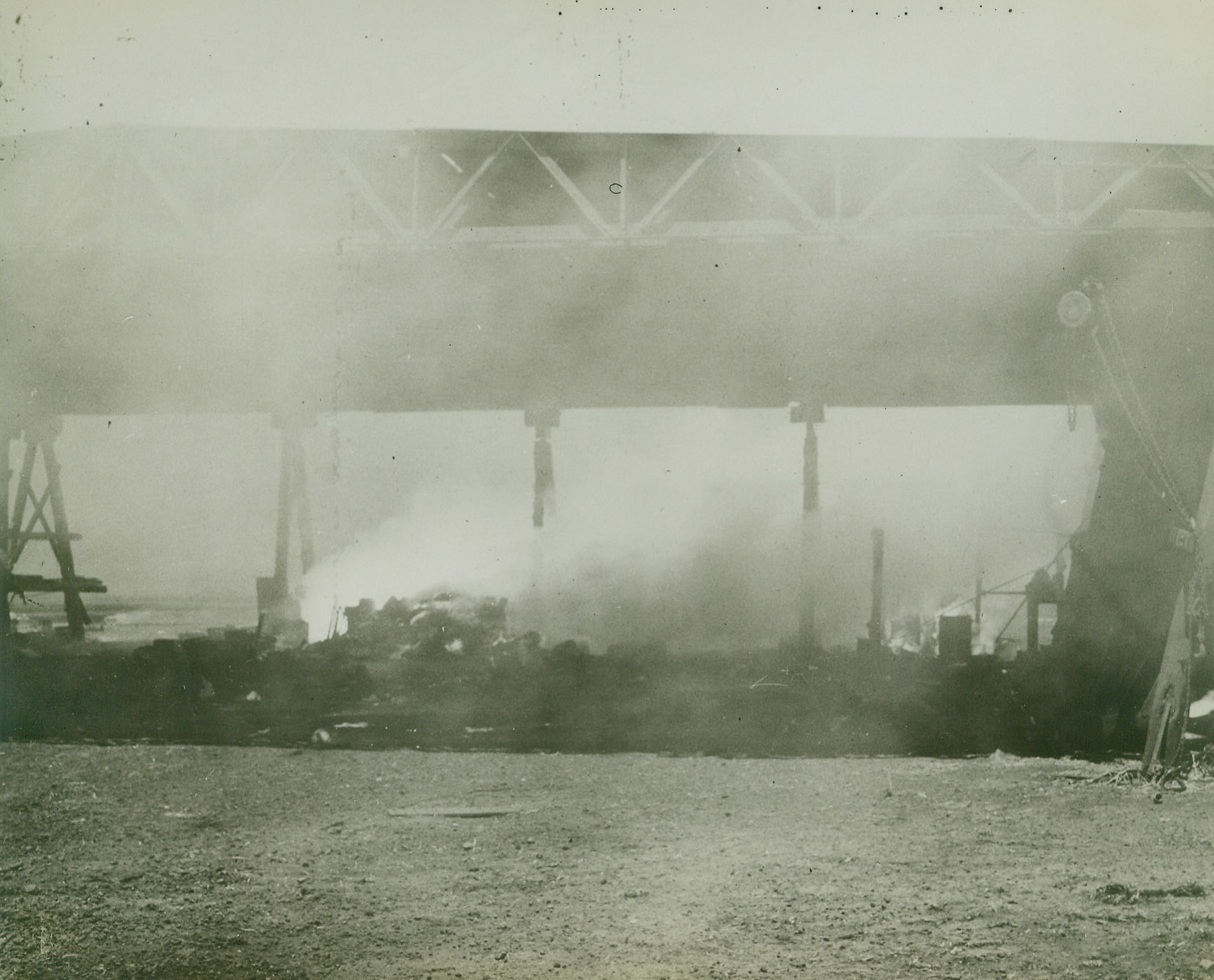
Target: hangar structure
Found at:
299, 272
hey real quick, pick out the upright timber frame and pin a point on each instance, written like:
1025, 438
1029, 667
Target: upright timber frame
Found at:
16, 531
276, 609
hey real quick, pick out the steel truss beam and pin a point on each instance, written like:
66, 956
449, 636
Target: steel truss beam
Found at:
234, 190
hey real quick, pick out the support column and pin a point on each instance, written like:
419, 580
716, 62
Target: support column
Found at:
809, 414
40, 435
543, 420
978, 601
277, 609
876, 621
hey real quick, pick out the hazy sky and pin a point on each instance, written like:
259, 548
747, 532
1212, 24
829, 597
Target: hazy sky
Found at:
664, 517
1052, 69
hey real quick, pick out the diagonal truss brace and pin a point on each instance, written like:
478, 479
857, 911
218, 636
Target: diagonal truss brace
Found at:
1104, 197
353, 173
677, 186
570, 188
471, 182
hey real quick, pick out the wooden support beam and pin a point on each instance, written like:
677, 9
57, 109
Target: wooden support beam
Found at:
38, 583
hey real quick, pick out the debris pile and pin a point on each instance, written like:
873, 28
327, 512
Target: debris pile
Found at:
440, 626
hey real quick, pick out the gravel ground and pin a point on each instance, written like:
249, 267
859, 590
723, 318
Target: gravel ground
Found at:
183, 861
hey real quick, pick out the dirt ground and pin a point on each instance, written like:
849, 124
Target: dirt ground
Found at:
186, 861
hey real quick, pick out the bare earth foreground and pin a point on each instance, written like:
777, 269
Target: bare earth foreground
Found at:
184, 861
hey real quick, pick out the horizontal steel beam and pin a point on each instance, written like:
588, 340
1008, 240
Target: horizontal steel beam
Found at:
207, 190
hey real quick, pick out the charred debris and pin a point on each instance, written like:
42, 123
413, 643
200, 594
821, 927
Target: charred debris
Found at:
445, 672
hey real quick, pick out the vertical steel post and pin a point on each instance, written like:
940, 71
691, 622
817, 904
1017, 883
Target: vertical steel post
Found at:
978, 601
543, 420
876, 622
282, 539
303, 507
809, 414
273, 593
544, 477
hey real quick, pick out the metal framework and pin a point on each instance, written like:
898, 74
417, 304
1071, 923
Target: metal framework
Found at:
155, 270
233, 189
20, 530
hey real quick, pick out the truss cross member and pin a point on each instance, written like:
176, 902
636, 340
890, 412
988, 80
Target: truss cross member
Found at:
16, 531
278, 611
543, 420
809, 414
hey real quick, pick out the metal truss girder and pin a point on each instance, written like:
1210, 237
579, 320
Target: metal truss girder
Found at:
229, 190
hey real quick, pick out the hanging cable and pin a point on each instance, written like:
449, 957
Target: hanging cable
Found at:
995, 588
1116, 366
1015, 613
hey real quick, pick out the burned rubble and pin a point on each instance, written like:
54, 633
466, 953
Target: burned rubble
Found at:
446, 671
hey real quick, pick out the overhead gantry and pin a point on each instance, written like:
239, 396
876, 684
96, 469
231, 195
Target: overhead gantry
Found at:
406, 271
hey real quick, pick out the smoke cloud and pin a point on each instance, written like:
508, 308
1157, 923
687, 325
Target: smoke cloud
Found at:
684, 526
